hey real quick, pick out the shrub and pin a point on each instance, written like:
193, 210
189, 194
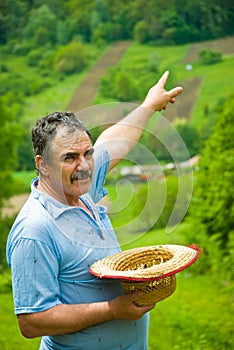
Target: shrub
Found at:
141, 32
119, 85
207, 56
70, 58
34, 57
5, 226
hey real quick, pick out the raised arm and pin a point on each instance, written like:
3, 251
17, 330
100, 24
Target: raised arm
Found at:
120, 138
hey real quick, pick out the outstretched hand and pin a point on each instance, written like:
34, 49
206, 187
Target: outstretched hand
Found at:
158, 98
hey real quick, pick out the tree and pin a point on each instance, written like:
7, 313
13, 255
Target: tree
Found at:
189, 135
41, 27
207, 56
141, 32
70, 58
214, 207
10, 134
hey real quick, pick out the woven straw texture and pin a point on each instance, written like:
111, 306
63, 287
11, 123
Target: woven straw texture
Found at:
148, 269
154, 291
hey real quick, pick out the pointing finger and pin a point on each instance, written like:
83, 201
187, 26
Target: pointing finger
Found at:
162, 81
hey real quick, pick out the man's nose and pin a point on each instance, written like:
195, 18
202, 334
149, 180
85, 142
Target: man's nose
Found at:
82, 164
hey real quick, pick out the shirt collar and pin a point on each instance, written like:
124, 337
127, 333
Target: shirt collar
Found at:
54, 207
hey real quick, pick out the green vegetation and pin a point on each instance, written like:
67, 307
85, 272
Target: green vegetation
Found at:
46, 50
11, 338
209, 56
213, 205
10, 132
58, 22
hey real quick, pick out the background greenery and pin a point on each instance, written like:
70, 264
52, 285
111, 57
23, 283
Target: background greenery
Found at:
47, 48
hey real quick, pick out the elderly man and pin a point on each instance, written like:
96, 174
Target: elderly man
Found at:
61, 231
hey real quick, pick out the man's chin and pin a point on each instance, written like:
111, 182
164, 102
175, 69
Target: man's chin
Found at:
83, 186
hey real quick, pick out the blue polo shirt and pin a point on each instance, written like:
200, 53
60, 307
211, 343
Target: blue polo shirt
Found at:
50, 249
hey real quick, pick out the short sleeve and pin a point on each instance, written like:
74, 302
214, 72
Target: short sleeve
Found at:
101, 165
34, 276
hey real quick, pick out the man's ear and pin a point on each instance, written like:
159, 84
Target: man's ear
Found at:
41, 165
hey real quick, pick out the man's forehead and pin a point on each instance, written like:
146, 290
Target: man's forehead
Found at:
66, 138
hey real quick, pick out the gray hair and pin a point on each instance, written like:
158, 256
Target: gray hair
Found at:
45, 130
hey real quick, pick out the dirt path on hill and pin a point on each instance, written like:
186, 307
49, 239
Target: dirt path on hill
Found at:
87, 90
225, 45
14, 204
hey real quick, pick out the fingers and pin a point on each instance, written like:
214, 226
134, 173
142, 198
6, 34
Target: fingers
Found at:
157, 97
175, 92
162, 81
125, 307
133, 296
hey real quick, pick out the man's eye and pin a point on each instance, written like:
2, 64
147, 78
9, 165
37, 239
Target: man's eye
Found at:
68, 157
89, 153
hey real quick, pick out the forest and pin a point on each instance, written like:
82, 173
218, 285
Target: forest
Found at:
57, 22
47, 48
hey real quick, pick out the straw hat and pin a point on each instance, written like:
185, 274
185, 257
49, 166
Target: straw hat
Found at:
150, 269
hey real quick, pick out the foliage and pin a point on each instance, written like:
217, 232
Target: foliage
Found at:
5, 226
40, 26
167, 206
70, 58
119, 85
141, 32
10, 134
59, 22
208, 56
189, 135
214, 205
24, 151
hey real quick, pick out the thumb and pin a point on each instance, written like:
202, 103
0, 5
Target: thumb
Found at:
175, 91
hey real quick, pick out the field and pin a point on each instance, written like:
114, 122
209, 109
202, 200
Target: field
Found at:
199, 315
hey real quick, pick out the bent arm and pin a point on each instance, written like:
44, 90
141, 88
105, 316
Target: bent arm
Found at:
120, 138
65, 319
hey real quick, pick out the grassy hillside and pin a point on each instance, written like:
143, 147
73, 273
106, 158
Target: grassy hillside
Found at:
215, 79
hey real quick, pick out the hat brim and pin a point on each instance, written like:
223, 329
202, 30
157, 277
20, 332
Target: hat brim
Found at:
145, 263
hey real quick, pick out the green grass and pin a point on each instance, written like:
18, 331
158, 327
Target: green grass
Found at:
198, 316
55, 98
11, 338
23, 180
216, 85
25, 176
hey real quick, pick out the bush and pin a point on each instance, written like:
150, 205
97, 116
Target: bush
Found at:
119, 85
70, 58
207, 56
5, 226
141, 32
34, 57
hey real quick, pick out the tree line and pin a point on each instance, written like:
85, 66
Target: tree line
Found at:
57, 22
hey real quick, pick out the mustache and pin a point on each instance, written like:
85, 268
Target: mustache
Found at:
80, 175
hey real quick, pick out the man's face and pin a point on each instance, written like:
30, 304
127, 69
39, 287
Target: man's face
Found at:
71, 165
